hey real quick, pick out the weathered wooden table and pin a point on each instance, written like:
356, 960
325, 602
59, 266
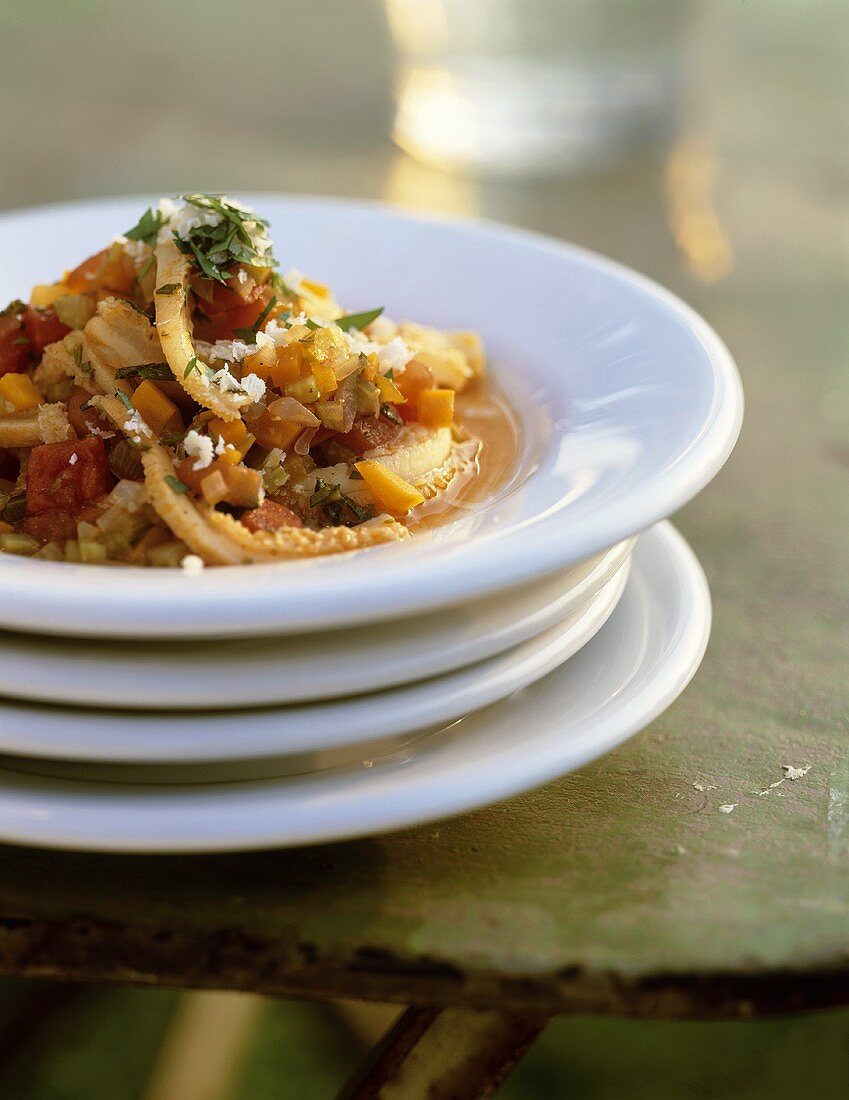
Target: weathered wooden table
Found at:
623, 888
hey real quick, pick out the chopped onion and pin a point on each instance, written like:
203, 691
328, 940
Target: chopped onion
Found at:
304, 440
288, 408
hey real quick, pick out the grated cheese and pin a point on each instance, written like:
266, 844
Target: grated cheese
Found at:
192, 564
198, 447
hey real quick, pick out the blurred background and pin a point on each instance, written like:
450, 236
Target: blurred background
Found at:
705, 142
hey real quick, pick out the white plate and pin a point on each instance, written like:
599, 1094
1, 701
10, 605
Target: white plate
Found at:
157, 737
630, 403
263, 671
627, 675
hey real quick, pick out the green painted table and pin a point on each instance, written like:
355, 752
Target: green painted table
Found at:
623, 888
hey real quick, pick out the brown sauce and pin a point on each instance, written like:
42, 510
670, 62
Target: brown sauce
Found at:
485, 414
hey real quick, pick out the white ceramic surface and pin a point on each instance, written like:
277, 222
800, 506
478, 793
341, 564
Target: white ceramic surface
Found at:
630, 403
627, 675
157, 737
264, 671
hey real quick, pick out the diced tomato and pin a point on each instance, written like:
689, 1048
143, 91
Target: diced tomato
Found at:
109, 270
84, 420
51, 525
270, 516
43, 327
55, 481
228, 311
14, 345
369, 432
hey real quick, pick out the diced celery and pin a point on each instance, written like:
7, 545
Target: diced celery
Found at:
74, 310
167, 554
15, 543
304, 390
72, 550
51, 552
92, 553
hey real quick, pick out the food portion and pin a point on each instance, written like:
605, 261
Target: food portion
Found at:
175, 399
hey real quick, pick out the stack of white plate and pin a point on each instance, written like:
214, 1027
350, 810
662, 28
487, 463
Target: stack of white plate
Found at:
286, 704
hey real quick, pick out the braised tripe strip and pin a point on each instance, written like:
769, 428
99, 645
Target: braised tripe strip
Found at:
221, 540
174, 325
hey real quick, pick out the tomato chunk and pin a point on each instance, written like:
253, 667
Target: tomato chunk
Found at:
83, 421
14, 345
270, 516
52, 525
58, 480
42, 327
228, 311
369, 432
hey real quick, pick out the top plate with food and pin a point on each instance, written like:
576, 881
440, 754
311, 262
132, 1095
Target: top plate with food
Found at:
174, 399
180, 399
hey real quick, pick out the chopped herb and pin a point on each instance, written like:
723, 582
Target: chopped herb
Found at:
249, 334
20, 341
192, 365
391, 413
311, 324
216, 248
87, 404
178, 486
358, 320
355, 474
168, 288
334, 502
16, 508
147, 228
155, 372
85, 367
276, 281
125, 401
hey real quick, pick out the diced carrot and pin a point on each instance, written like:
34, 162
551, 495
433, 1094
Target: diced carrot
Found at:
158, 411
270, 516
435, 408
18, 391
291, 366
272, 433
390, 491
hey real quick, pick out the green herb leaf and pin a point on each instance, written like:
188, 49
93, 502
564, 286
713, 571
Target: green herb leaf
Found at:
232, 240
192, 365
179, 487
155, 372
357, 320
168, 288
147, 228
20, 341
125, 401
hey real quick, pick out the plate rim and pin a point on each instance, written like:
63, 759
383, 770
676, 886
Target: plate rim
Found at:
456, 581
621, 718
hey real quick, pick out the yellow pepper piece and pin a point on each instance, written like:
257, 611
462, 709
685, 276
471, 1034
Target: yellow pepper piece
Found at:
158, 411
261, 362
389, 392
325, 375
18, 391
290, 366
436, 408
45, 295
390, 491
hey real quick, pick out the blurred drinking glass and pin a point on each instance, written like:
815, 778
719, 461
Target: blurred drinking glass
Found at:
519, 87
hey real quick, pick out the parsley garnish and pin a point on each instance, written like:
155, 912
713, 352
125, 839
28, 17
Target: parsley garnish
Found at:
391, 413
358, 320
20, 341
334, 501
125, 401
147, 227
16, 508
249, 334
168, 288
178, 486
85, 367
192, 365
216, 248
155, 372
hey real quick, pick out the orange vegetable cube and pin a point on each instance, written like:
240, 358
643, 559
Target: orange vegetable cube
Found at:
389, 392
325, 375
260, 363
436, 408
18, 391
291, 365
390, 491
271, 432
158, 411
